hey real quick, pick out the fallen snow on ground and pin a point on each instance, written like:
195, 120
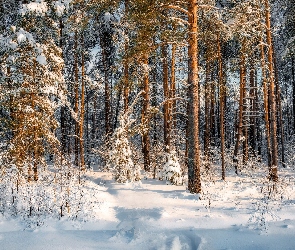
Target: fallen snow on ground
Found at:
151, 215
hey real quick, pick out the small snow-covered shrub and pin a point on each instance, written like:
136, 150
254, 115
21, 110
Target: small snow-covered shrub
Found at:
119, 156
172, 171
60, 191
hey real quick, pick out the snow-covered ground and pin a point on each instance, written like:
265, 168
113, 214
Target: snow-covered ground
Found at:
151, 215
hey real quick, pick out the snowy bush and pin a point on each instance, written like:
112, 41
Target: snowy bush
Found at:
57, 193
119, 156
172, 170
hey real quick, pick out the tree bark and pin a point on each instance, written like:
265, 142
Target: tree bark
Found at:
194, 173
126, 69
82, 111
166, 105
62, 108
266, 105
241, 108
76, 100
212, 133
207, 115
173, 89
221, 105
280, 113
107, 100
273, 124
253, 96
145, 118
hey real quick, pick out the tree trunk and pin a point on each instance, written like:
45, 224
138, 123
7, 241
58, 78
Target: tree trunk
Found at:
36, 144
194, 174
145, 118
93, 118
107, 100
280, 114
62, 108
82, 111
76, 100
245, 122
207, 115
253, 105
266, 109
212, 133
221, 105
273, 124
166, 100
126, 67
241, 108
126, 81
173, 89
155, 137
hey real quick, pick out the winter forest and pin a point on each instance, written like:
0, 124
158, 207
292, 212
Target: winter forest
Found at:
136, 114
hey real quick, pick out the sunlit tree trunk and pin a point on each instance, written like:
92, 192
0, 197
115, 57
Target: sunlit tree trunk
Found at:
194, 175
273, 124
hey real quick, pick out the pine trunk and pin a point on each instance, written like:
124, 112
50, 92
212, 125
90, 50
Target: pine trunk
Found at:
62, 108
266, 105
107, 97
221, 105
82, 112
273, 124
126, 68
145, 118
212, 133
253, 95
207, 115
194, 174
166, 100
173, 89
76, 100
280, 113
241, 108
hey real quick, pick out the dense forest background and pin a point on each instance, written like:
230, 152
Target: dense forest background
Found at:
177, 90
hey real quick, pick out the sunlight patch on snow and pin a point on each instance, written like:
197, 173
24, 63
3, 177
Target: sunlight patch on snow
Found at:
160, 216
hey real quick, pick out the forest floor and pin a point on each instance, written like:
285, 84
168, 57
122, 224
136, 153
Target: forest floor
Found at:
235, 214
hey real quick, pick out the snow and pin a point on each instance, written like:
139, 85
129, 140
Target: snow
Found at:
61, 6
152, 215
39, 7
21, 38
41, 59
